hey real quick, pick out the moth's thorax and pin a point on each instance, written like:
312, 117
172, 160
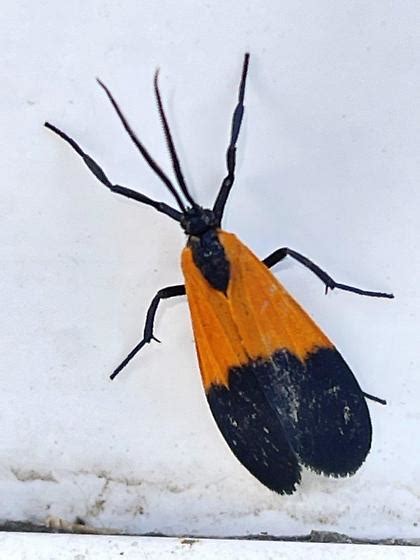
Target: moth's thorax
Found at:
210, 258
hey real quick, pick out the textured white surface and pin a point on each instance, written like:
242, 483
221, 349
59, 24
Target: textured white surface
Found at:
20, 546
328, 164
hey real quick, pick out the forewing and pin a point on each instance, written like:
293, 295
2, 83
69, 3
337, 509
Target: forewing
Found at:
315, 394
278, 389
250, 426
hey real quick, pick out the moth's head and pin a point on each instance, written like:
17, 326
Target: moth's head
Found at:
198, 220
194, 219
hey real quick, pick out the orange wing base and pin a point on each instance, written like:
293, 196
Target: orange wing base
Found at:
254, 320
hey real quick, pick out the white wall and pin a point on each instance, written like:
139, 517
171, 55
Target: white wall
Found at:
328, 164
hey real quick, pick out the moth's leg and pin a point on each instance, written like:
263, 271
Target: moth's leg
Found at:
330, 284
164, 293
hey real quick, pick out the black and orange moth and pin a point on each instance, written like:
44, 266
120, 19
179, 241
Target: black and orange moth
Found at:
280, 392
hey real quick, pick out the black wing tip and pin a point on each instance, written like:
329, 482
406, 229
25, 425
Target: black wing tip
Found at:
338, 449
254, 432
340, 472
283, 489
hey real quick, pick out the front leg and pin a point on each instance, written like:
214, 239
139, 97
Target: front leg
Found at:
330, 284
164, 293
